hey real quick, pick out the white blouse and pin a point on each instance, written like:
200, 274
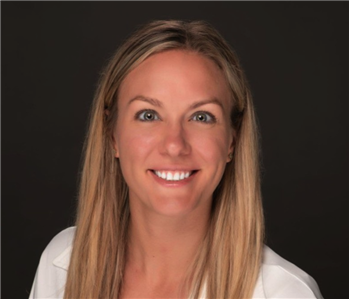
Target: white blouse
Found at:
278, 278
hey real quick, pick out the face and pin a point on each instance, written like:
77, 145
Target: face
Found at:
173, 133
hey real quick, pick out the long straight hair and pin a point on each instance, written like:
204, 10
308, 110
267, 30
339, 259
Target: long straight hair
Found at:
228, 262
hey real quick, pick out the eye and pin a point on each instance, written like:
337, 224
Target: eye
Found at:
147, 115
204, 116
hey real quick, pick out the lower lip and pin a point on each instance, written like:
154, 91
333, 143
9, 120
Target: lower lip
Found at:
173, 183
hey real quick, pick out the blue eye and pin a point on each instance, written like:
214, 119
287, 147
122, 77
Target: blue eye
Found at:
147, 115
204, 117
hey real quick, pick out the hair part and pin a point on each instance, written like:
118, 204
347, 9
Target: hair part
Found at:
228, 263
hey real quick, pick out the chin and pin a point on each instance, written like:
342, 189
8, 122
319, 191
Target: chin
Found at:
175, 206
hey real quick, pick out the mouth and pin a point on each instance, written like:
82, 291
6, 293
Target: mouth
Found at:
173, 176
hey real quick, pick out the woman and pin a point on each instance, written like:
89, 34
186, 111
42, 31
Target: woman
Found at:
170, 201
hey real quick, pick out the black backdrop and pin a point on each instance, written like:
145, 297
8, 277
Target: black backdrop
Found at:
296, 59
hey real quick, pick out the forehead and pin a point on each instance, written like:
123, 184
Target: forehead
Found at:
176, 75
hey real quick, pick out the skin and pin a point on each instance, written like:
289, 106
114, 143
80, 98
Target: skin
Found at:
187, 102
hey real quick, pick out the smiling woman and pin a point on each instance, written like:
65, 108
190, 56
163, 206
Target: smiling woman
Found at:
170, 201
180, 133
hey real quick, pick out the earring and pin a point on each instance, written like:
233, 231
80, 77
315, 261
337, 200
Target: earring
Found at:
230, 156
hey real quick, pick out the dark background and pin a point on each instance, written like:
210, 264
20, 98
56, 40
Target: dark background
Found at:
296, 58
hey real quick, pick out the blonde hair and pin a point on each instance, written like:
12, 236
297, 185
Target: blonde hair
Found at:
228, 263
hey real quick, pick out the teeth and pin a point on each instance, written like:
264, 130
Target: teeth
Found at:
173, 176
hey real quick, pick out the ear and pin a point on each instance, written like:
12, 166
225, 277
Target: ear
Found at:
231, 147
115, 146
114, 143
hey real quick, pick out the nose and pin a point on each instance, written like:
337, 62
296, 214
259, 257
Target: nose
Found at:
175, 141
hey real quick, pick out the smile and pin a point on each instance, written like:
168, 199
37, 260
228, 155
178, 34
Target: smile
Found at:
173, 175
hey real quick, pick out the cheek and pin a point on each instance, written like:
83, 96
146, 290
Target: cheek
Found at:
134, 144
212, 147
134, 148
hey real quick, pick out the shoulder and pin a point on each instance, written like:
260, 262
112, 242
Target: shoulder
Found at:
57, 252
281, 279
51, 273
62, 239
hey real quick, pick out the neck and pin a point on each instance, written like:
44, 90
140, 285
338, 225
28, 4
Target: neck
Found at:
162, 247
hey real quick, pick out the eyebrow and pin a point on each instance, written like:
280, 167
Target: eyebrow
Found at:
154, 102
195, 105
204, 102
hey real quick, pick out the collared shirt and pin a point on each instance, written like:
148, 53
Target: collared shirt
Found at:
277, 278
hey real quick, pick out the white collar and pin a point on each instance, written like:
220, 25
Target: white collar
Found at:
62, 261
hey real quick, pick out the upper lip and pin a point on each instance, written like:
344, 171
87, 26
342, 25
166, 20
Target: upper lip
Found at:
173, 168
